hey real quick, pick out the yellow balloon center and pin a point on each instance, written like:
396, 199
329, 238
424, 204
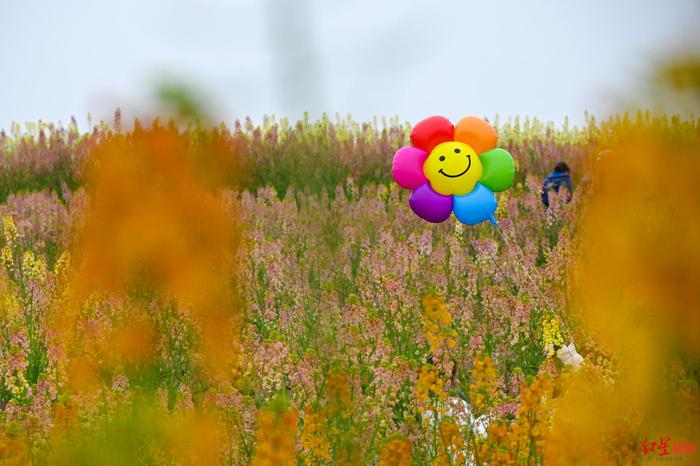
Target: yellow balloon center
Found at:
453, 168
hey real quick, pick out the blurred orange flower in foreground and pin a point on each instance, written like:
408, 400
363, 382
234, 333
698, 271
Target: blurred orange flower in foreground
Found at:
156, 228
638, 293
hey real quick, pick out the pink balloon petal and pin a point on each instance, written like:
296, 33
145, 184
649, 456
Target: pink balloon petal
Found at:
408, 167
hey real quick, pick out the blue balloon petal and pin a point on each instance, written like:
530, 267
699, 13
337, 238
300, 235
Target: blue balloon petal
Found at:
476, 207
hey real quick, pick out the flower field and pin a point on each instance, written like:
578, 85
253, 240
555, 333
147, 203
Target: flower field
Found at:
264, 295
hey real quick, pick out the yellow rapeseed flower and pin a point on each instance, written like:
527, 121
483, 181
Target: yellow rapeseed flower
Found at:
438, 324
452, 445
34, 267
6, 257
551, 335
430, 389
534, 415
9, 230
275, 438
313, 438
499, 447
62, 264
396, 452
339, 396
484, 385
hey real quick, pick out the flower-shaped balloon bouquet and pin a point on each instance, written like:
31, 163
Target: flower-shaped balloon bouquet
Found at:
454, 168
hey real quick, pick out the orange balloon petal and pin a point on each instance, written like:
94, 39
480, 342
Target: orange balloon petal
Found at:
477, 133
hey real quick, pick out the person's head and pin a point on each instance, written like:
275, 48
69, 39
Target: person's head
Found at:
562, 167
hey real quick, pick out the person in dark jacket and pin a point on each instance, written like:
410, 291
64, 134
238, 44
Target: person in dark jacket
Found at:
559, 176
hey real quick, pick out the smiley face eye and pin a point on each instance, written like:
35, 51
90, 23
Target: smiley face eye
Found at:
442, 158
457, 151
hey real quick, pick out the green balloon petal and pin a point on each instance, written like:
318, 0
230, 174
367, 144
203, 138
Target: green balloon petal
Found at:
499, 169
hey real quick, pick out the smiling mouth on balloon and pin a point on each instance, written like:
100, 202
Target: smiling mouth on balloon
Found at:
457, 176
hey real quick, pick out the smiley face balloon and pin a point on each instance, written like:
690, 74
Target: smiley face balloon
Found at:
454, 168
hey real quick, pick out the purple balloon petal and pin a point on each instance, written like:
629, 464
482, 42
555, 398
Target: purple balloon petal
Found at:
429, 205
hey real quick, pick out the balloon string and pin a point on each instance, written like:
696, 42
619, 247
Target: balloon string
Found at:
521, 261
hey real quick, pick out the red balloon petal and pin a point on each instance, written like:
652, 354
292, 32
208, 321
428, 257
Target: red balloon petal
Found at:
432, 131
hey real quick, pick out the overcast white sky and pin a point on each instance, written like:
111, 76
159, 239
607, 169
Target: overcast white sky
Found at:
545, 58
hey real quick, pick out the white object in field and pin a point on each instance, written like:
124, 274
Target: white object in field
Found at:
569, 356
459, 410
